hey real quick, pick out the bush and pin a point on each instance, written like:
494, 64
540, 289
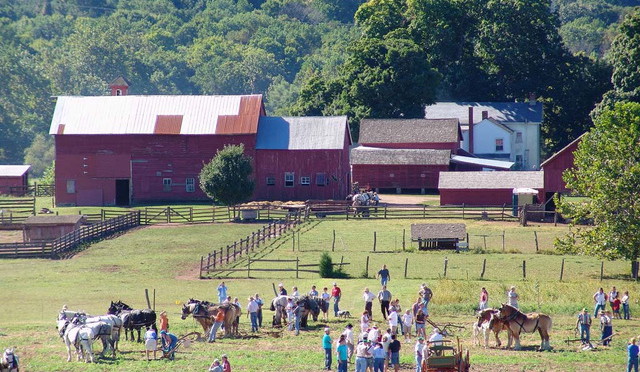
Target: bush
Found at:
326, 266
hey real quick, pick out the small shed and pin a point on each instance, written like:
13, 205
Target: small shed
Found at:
438, 235
14, 179
47, 228
487, 188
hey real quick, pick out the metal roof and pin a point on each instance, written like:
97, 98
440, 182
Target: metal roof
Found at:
491, 180
409, 130
505, 112
375, 155
13, 170
490, 163
421, 231
301, 133
139, 114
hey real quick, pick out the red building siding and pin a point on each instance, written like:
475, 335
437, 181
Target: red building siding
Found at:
479, 196
555, 166
6, 183
404, 176
96, 162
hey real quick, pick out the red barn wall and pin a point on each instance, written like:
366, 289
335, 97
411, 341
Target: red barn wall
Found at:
554, 169
479, 196
404, 176
95, 162
6, 183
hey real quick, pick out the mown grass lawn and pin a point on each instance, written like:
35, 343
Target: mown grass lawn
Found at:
165, 258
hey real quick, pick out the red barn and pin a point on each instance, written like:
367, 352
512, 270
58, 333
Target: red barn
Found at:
117, 150
302, 158
404, 154
14, 179
487, 188
555, 166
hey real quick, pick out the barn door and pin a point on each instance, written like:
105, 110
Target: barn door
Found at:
122, 192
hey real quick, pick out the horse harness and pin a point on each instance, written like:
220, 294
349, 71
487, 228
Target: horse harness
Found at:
513, 318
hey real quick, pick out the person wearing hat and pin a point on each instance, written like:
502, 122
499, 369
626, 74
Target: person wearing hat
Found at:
418, 351
326, 345
336, 293
226, 366
607, 328
215, 366
362, 354
169, 341
281, 290
584, 324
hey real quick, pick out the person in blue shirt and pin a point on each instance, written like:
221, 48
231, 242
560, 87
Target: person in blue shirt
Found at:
632, 354
384, 275
342, 352
326, 345
169, 341
222, 292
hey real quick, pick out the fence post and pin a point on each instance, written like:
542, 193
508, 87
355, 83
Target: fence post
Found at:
385, 212
555, 218
293, 240
484, 238
201, 263
215, 256
601, 270
524, 269
366, 268
404, 231
535, 235
333, 245
374, 240
463, 211
503, 231
562, 269
503, 206
424, 211
221, 255
209, 261
446, 263
406, 265
484, 266
248, 267
297, 266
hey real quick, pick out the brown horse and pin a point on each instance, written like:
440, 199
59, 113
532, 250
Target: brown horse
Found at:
232, 313
200, 312
488, 322
519, 322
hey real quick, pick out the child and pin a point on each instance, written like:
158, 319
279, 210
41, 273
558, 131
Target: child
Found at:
151, 342
625, 305
289, 308
615, 306
407, 321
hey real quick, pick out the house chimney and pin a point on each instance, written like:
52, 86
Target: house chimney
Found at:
471, 129
119, 87
485, 115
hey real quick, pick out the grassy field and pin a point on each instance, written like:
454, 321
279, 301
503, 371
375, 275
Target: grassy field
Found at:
166, 258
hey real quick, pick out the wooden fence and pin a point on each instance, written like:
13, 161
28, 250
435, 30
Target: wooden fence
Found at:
72, 240
384, 211
214, 261
34, 190
15, 211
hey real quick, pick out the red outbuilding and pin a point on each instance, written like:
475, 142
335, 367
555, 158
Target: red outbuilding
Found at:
555, 166
118, 150
14, 179
487, 188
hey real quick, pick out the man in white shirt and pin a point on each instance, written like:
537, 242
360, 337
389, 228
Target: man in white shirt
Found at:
436, 338
393, 321
348, 336
374, 333
368, 302
252, 311
600, 299
418, 353
407, 322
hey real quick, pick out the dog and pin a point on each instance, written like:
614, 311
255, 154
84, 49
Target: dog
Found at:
344, 314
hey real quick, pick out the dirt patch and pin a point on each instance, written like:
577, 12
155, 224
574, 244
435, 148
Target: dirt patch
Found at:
190, 273
109, 269
10, 236
392, 199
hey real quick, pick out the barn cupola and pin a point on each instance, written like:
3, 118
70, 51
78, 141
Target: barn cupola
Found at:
119, 87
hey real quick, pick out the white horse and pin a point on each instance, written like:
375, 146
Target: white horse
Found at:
9, 362
113, 338
359, 201
279, 305
78, 336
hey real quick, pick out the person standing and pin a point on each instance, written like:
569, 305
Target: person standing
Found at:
151, 342
313, 293
632, 355
252, 312
420, 321
295, 292
625, 306
394, 351
236, 302
600, 298
281, 290
484, 299
164, 321
612, 296
348, 337
379, 356
222, 292
297, 316
512, 297
260, 304
584, 324
364, 321
326, 297
427, 294
326, 345
362, 354
289, 309
615, 307
407, 322
218, 320
336, 293
368, 302
384, 275
607, 328
384, 296
342, 354
418, 352
393, 321
226, 366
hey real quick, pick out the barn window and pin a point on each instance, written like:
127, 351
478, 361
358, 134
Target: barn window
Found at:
321, 179
518, 137
271, 181
499, 144
190, 185
166, 184
71, 186
305, 180
289, 178
391, 175
118, 92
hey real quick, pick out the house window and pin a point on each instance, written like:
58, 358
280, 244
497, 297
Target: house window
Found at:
289, 178
499, 144
305, 180
166, 184
518, 137
271, 181
321, 179
71, 186
190, 185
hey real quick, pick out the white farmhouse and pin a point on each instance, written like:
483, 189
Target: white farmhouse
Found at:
507, 131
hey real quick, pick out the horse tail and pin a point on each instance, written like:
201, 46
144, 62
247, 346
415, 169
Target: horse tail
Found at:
272, 307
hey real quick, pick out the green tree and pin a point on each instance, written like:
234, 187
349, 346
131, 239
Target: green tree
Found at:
227, 177
40, 154
607, 173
